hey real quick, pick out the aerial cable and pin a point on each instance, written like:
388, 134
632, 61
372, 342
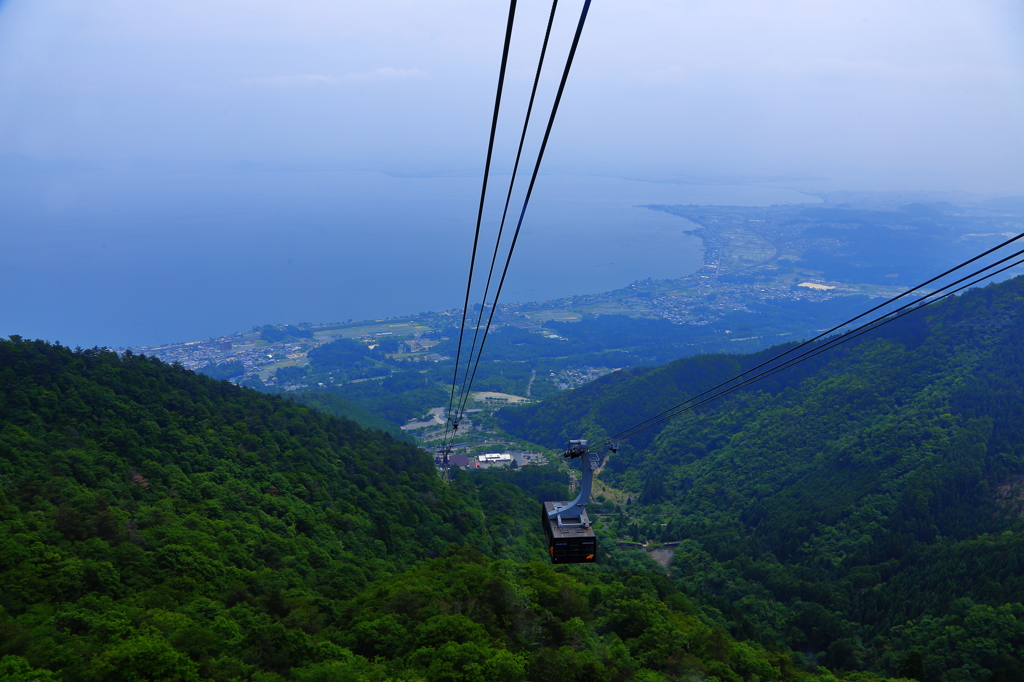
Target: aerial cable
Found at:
829, 344
533, 181
529, 191
843, 324
860, 331
806, 354
483, 194
511, 185
854, 319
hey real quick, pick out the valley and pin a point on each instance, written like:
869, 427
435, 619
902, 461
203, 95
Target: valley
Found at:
855, 517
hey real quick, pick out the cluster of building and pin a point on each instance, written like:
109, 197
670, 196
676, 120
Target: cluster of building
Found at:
574, 378
465, 460
240, 347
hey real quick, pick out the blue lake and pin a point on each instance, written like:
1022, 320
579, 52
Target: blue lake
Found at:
150, 256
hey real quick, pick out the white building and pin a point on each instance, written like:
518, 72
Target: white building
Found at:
494, 458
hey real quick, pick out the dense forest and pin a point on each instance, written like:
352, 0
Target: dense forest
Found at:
157, 524
339, 407
864, 507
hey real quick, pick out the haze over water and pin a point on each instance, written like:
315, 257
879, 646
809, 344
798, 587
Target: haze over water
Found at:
209, 240
149, 256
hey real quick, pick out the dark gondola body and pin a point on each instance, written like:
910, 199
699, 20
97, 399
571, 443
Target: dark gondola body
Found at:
569, 544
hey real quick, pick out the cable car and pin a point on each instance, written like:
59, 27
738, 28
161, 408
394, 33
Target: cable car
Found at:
570, 534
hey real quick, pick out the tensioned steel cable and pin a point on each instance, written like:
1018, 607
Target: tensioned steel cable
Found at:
529, 191
508, 196
841, 340
483, 195
829, 344
836, 328
809, 353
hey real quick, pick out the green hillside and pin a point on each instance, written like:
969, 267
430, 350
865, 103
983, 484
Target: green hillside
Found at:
861, 507
339, 407
156, 524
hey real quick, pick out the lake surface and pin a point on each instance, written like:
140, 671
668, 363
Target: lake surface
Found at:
148, 256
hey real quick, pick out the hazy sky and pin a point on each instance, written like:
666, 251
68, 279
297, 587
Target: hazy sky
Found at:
153, 206
662, 89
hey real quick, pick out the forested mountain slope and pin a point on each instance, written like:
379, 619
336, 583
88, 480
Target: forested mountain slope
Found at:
862, 506
339, 407
131, 487
156, 524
